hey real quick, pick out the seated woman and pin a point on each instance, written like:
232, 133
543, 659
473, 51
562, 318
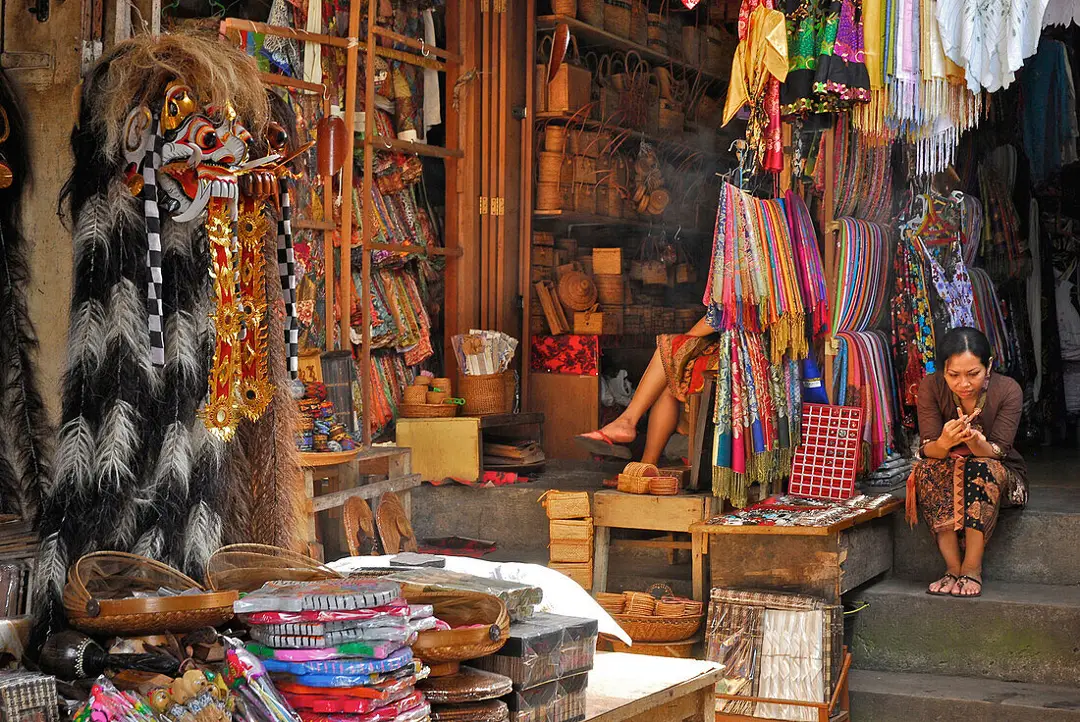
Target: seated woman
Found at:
967, 421
675, 371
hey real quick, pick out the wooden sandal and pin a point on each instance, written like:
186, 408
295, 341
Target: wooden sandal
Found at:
940, 593
603, 446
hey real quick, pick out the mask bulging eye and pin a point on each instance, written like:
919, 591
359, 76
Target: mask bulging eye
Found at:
276, 136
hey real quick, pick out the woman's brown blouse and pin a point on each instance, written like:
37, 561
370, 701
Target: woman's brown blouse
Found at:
998, 419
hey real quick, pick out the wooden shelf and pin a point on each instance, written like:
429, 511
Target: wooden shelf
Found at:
597, 36
678, 146
380, 143
591, 219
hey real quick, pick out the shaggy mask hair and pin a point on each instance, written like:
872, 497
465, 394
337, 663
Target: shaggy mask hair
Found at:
25, 434
136, 470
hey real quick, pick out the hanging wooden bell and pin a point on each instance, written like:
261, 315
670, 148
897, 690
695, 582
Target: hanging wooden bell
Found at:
330, 146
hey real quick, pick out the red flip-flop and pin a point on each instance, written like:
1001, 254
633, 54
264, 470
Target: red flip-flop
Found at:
603, 446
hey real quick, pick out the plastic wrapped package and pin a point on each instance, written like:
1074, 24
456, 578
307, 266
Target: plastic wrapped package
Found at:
776, 646
562, 700
520, 599
27, 697
543, 648
325, 594
377, 637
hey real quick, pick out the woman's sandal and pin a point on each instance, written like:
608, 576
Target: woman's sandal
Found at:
603, 446
962, 582
940, 582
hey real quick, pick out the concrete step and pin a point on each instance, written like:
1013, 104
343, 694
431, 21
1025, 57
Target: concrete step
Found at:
1025, 548
1013, 632
902, 697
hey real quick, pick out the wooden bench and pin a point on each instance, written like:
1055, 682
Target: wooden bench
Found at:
633, 688
677, 514
823, 562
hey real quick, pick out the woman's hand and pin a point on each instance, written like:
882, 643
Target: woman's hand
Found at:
954, 433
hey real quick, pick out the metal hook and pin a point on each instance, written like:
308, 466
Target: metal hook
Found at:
423, 48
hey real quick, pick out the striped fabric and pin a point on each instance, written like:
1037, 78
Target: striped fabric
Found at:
150, 166
287, 273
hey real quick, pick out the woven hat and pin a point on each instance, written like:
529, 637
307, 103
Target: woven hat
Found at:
468, 685
494, 711
395, 531
577, 291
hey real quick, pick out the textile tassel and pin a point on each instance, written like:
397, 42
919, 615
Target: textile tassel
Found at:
286, 262
151, 166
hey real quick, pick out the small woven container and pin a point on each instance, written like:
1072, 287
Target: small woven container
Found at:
585, 198
486, 395
582, 573
571, 530
617, 15
610, 290
416, 394
658, 33
437, 397
690, 607
550, 167
636, 468
611, 603
565, 7
639, 603
571, 552
422, 381
428, 411
443, 384
639, 22
554, 196
670, 607
664, 486
566, 504
591, 12
633, 484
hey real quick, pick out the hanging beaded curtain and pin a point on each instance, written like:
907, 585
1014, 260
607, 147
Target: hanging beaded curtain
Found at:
863, 369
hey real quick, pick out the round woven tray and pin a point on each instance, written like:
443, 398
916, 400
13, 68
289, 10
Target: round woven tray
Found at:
246, 567
428, 411
659, 629
468, 685
494, 711
461, 609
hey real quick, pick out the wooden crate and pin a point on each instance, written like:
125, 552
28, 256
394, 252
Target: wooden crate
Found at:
543, 256
607, 261
543, 238
598, 323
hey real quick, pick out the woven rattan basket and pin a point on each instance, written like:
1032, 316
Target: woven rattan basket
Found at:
99, 597
639, 604
571, 552
617, 15
663, 486
571, 530
635, 477
591, 12
484, 622
659, 629
428, 411
487, 394
246, 567
612, 603
566, 504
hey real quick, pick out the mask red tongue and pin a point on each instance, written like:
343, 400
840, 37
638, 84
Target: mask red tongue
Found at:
186, 177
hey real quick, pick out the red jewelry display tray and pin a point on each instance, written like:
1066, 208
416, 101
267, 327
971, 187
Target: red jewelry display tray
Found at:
827, 460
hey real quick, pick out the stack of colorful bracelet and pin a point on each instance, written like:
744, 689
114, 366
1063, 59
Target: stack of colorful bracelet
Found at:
339, 650
319, 430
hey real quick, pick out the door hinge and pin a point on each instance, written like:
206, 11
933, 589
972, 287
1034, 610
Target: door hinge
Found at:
483, 205
498, 206
485, 6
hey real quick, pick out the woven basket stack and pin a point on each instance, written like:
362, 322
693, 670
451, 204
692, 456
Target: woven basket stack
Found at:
571, 549
655, 616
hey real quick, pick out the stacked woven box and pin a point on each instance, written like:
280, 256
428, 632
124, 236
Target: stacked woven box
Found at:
340, 649
571, 529
548, 658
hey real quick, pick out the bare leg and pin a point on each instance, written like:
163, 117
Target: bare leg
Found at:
949, 546
653, 383
974, 546
663, 419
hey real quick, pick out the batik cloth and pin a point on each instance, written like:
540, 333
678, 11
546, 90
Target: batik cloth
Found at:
685, 360
959, 493
841, 78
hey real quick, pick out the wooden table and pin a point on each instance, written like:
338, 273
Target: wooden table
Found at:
823, 562
332, 478
632, 688
675, 514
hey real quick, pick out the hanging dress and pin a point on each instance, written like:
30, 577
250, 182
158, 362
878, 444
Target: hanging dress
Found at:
841, 78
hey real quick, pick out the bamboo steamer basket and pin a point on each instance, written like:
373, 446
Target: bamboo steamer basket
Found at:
617, 17
566, 504
639, 22
591, 12
565, 7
